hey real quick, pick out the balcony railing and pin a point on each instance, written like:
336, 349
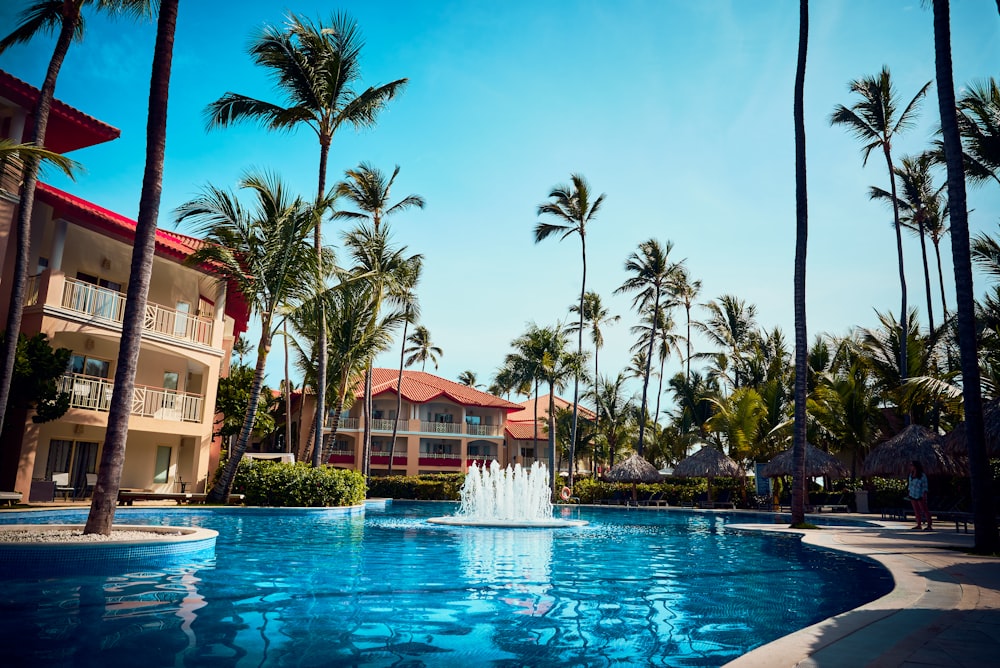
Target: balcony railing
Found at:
155, 402
384, 425
103, 304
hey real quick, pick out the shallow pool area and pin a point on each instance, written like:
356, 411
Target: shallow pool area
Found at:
387, 588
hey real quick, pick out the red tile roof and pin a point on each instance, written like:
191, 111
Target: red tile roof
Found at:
169, 244
525, 431
419, 387
527, 412
68, 129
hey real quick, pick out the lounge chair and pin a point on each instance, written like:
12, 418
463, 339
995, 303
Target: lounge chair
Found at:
11, 498
62, 485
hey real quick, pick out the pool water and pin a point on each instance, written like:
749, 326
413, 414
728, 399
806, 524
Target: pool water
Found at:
386, 588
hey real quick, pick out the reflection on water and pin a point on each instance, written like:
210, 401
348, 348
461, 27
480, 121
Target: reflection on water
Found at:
324, 589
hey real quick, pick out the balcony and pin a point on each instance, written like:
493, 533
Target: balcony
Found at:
405, 426
109, 306
159, 403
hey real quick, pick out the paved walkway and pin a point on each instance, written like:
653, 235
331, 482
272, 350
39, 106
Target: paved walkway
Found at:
944, 610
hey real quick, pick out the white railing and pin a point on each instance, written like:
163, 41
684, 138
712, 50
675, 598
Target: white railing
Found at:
441, 427
441, 455
482, 429
104, 304
343, 423
381, 424
155, 402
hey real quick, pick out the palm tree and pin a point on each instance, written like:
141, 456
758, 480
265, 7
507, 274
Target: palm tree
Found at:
652, 273
105, 499
922, 211
316, 67
801, 236
979, 126
684, 291
573, 207
874, 121
468, 378
265, 253
596, 317
611, 401
422, 349
411, 311
731, 325
12, 151
987, 539
369, 190
41, 17
390, 274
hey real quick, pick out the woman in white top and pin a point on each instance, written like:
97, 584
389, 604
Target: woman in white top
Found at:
917, 489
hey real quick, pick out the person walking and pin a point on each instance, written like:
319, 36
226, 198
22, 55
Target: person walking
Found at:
917, 489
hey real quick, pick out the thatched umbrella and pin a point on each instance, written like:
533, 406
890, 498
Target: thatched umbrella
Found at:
707, 463
635, 469
955, 441
818, 463
914, 443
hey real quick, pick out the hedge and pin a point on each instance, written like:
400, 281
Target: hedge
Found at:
429, 487
271, 483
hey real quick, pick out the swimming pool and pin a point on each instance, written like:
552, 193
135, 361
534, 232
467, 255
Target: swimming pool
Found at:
386, 588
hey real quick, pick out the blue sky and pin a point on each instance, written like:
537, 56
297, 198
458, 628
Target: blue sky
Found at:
680, 112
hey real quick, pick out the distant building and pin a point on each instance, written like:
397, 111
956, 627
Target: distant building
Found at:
526, 443
80, 264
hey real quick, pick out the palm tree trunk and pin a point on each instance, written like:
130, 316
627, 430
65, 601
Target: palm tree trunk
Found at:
937, 254
366, 449
399, 390
903, 316
801, 237
927, 276
576, 372
288, 391
987, 540
220, 492
19, 282
535, 424
552, 437
687, 308
102, 507
321, 340
649, 363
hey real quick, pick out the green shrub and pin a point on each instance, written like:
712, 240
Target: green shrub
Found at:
272, 483
429, 487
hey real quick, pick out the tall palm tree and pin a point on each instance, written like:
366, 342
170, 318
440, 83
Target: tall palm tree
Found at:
652, 273
979, 126
390, 274
873, 120
573, 207
316, 68
265, 252
64, 17
422, 349
612, 401
369, 190
105, 499
468, 378
731, 325
596, 317
801, 237
987, 539
411, 311
684, 292
922, 211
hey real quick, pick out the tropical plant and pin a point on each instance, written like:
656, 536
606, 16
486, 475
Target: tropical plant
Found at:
731, 326
12, 152
683, 292
264, 252
616, 429
651, 275
468, 378
595, 317
874, 121
572, 206
369, 190
105, 498
738, 419
422, 349
987, 538
979, 127
411, 311
232, 399
923, 211
41, 17
316, 67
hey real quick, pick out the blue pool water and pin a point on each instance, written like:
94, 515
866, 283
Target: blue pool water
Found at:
386, 588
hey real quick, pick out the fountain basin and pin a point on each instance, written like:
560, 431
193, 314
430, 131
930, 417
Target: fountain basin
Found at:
458, 521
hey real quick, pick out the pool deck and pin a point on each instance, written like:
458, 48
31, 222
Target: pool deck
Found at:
943, 611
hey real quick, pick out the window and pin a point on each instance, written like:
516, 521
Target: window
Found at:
181, 321
89, 366
472, 419
170, 380
162, 471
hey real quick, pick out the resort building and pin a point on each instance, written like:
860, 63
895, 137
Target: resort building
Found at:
80, 265
528, 441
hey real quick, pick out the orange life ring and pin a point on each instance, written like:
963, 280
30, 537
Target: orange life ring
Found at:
565, 493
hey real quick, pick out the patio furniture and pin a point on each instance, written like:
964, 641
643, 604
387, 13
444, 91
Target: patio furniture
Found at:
11, 498
62, 485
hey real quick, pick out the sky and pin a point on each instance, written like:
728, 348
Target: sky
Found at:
679, 112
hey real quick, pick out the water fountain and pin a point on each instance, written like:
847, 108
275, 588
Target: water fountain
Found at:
506, 497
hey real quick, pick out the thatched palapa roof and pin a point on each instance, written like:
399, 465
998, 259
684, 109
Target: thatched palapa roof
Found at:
914, 443
955, 442
818, 463
634, 469
707, 463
